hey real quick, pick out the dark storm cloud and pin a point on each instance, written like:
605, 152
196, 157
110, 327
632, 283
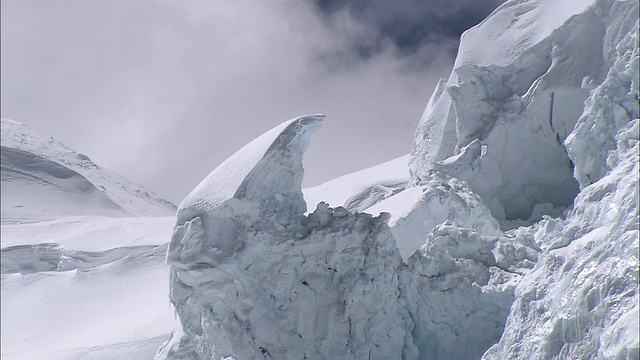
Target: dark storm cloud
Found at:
163, 91
410, 24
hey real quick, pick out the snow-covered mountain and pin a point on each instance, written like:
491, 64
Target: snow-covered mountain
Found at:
82, 259
43, 179
511, 231
518, 225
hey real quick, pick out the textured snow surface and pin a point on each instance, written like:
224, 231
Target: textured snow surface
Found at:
42, 180
362, 189
116, 308
81, 279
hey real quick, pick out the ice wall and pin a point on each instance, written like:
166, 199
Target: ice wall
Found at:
517, 90
581, 299
252, 277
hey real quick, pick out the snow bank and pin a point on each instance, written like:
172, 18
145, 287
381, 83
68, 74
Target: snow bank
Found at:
362, 189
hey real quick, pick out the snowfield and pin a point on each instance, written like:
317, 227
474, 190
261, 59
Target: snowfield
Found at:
511, 231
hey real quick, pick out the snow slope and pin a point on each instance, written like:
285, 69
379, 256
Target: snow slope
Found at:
81, 278
114, 311
362, 189
43, 179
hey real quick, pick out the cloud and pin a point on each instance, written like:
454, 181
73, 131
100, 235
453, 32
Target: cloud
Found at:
410, 24
162, 92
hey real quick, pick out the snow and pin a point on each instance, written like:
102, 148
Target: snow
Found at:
417, 210
361, 189
610, 106
233, 177
116, 311
80, 277
579, 295
500, 120
66, 182
90, 233
510, 232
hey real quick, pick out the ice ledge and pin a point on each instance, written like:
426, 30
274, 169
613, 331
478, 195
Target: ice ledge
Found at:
268, 171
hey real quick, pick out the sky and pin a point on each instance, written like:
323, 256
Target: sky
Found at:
164, 91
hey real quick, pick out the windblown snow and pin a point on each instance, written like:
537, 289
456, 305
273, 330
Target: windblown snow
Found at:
511, 231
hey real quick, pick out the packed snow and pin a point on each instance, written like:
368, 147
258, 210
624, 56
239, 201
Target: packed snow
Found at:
511, 231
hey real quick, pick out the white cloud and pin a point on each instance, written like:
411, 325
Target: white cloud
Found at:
162, 92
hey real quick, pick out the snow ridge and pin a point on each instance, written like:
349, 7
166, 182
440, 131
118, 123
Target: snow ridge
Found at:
253, 277
112, 194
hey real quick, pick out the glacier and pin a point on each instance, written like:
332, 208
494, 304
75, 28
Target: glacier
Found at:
83, 256
512, 227
511, 230
252, 276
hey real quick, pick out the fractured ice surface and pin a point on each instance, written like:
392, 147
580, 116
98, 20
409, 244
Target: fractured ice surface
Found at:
516, 92
508, 140
253, 277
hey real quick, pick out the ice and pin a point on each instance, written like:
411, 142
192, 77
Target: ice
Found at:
499, 122
581, 299
611, 106
416, 211
511, 231
253, 277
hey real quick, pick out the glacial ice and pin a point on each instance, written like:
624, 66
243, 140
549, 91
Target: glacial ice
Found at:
499, 122
253, 277
516, 235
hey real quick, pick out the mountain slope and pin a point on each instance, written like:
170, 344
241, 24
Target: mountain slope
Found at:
43, 179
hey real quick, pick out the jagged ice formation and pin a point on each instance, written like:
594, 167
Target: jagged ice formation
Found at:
539, 129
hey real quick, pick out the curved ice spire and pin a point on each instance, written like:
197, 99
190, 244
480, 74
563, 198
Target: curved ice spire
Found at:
267, 171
